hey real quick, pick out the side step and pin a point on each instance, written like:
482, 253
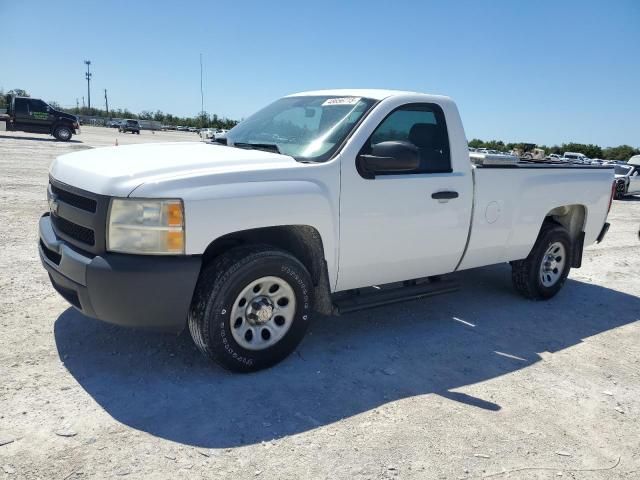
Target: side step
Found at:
376, 297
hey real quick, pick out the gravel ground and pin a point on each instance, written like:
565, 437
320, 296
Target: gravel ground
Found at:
477, 384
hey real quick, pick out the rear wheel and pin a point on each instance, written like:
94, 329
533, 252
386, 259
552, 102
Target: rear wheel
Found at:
542, 274
251, 308
63, 133
620, 189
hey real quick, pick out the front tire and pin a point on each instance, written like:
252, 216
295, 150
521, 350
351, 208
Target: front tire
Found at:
542, 274
251, 308
62, 133
620, 190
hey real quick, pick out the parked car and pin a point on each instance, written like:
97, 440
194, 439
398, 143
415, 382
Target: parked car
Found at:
206, 133
182, 128
113, 124
242, 243
32, 115
220, 135
575, 157
628, 178
132, 126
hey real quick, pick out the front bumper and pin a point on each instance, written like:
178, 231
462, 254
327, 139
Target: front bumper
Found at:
132, 290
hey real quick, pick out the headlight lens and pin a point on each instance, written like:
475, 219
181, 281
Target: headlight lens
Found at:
152, 227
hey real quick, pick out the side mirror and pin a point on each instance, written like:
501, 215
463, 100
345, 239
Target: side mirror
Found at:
389, 157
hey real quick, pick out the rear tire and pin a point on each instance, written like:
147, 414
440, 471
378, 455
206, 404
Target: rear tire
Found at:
542, 274
251, 307
63, 133
620, 190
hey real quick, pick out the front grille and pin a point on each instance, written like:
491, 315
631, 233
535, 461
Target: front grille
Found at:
83, 203
79, 217
73, 230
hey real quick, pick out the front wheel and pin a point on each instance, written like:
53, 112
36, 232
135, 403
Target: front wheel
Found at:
251, 308
620, 190
542, 274
62, 133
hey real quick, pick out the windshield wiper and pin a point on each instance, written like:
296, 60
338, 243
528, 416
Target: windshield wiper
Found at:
269, 147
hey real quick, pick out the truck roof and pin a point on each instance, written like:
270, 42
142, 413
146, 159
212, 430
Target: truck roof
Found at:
376, 94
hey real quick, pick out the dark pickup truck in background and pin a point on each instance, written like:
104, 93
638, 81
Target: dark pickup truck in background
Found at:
26, 114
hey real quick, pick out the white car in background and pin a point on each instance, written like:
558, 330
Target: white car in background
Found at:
627, 178
206, 133
574, 157
220, 134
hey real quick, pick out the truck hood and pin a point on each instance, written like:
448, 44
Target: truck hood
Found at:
117, 171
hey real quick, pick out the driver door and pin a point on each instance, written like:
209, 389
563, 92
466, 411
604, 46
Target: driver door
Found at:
404, 225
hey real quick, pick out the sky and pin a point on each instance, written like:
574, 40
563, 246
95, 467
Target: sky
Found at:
543, 71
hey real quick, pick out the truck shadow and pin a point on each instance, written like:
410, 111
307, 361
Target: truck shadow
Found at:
346, 365
38, 139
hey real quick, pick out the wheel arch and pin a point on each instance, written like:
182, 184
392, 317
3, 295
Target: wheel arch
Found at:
571, 217
62, 123
302, 241
574, 219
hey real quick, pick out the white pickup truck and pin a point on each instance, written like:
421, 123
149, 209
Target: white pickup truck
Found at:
326, 201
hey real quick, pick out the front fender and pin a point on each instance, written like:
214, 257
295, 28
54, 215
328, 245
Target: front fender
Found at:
218, 210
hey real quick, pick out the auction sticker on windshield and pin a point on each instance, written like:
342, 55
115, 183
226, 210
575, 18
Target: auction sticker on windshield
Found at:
341, 101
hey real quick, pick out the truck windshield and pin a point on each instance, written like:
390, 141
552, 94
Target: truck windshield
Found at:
308, 128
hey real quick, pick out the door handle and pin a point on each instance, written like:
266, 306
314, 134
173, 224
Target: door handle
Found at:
444, 195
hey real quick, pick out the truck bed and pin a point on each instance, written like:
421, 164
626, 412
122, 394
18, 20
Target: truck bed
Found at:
512, 201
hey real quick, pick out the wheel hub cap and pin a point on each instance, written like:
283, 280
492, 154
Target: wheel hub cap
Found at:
262, 313
553, 262
259, 311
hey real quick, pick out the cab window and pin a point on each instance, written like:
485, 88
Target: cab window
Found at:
424, 126
37, 106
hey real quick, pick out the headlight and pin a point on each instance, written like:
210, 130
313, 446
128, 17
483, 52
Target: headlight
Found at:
152, 227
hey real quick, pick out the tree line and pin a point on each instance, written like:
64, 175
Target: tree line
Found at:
201, 120
204, 119
621, 152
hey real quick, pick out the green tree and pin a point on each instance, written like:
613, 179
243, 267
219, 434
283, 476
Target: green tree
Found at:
590, 150
18, 92
621, 152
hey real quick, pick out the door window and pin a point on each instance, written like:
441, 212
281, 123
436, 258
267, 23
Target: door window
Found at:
424, 126
37, 106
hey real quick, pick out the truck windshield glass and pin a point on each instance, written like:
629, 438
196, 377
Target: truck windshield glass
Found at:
622, 169
308, 128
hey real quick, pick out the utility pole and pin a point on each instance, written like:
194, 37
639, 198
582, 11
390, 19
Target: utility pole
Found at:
88, 77
77, 105
106, 102
83, 101
201, 95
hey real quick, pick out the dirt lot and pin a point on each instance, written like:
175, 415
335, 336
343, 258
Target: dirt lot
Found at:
477, 384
